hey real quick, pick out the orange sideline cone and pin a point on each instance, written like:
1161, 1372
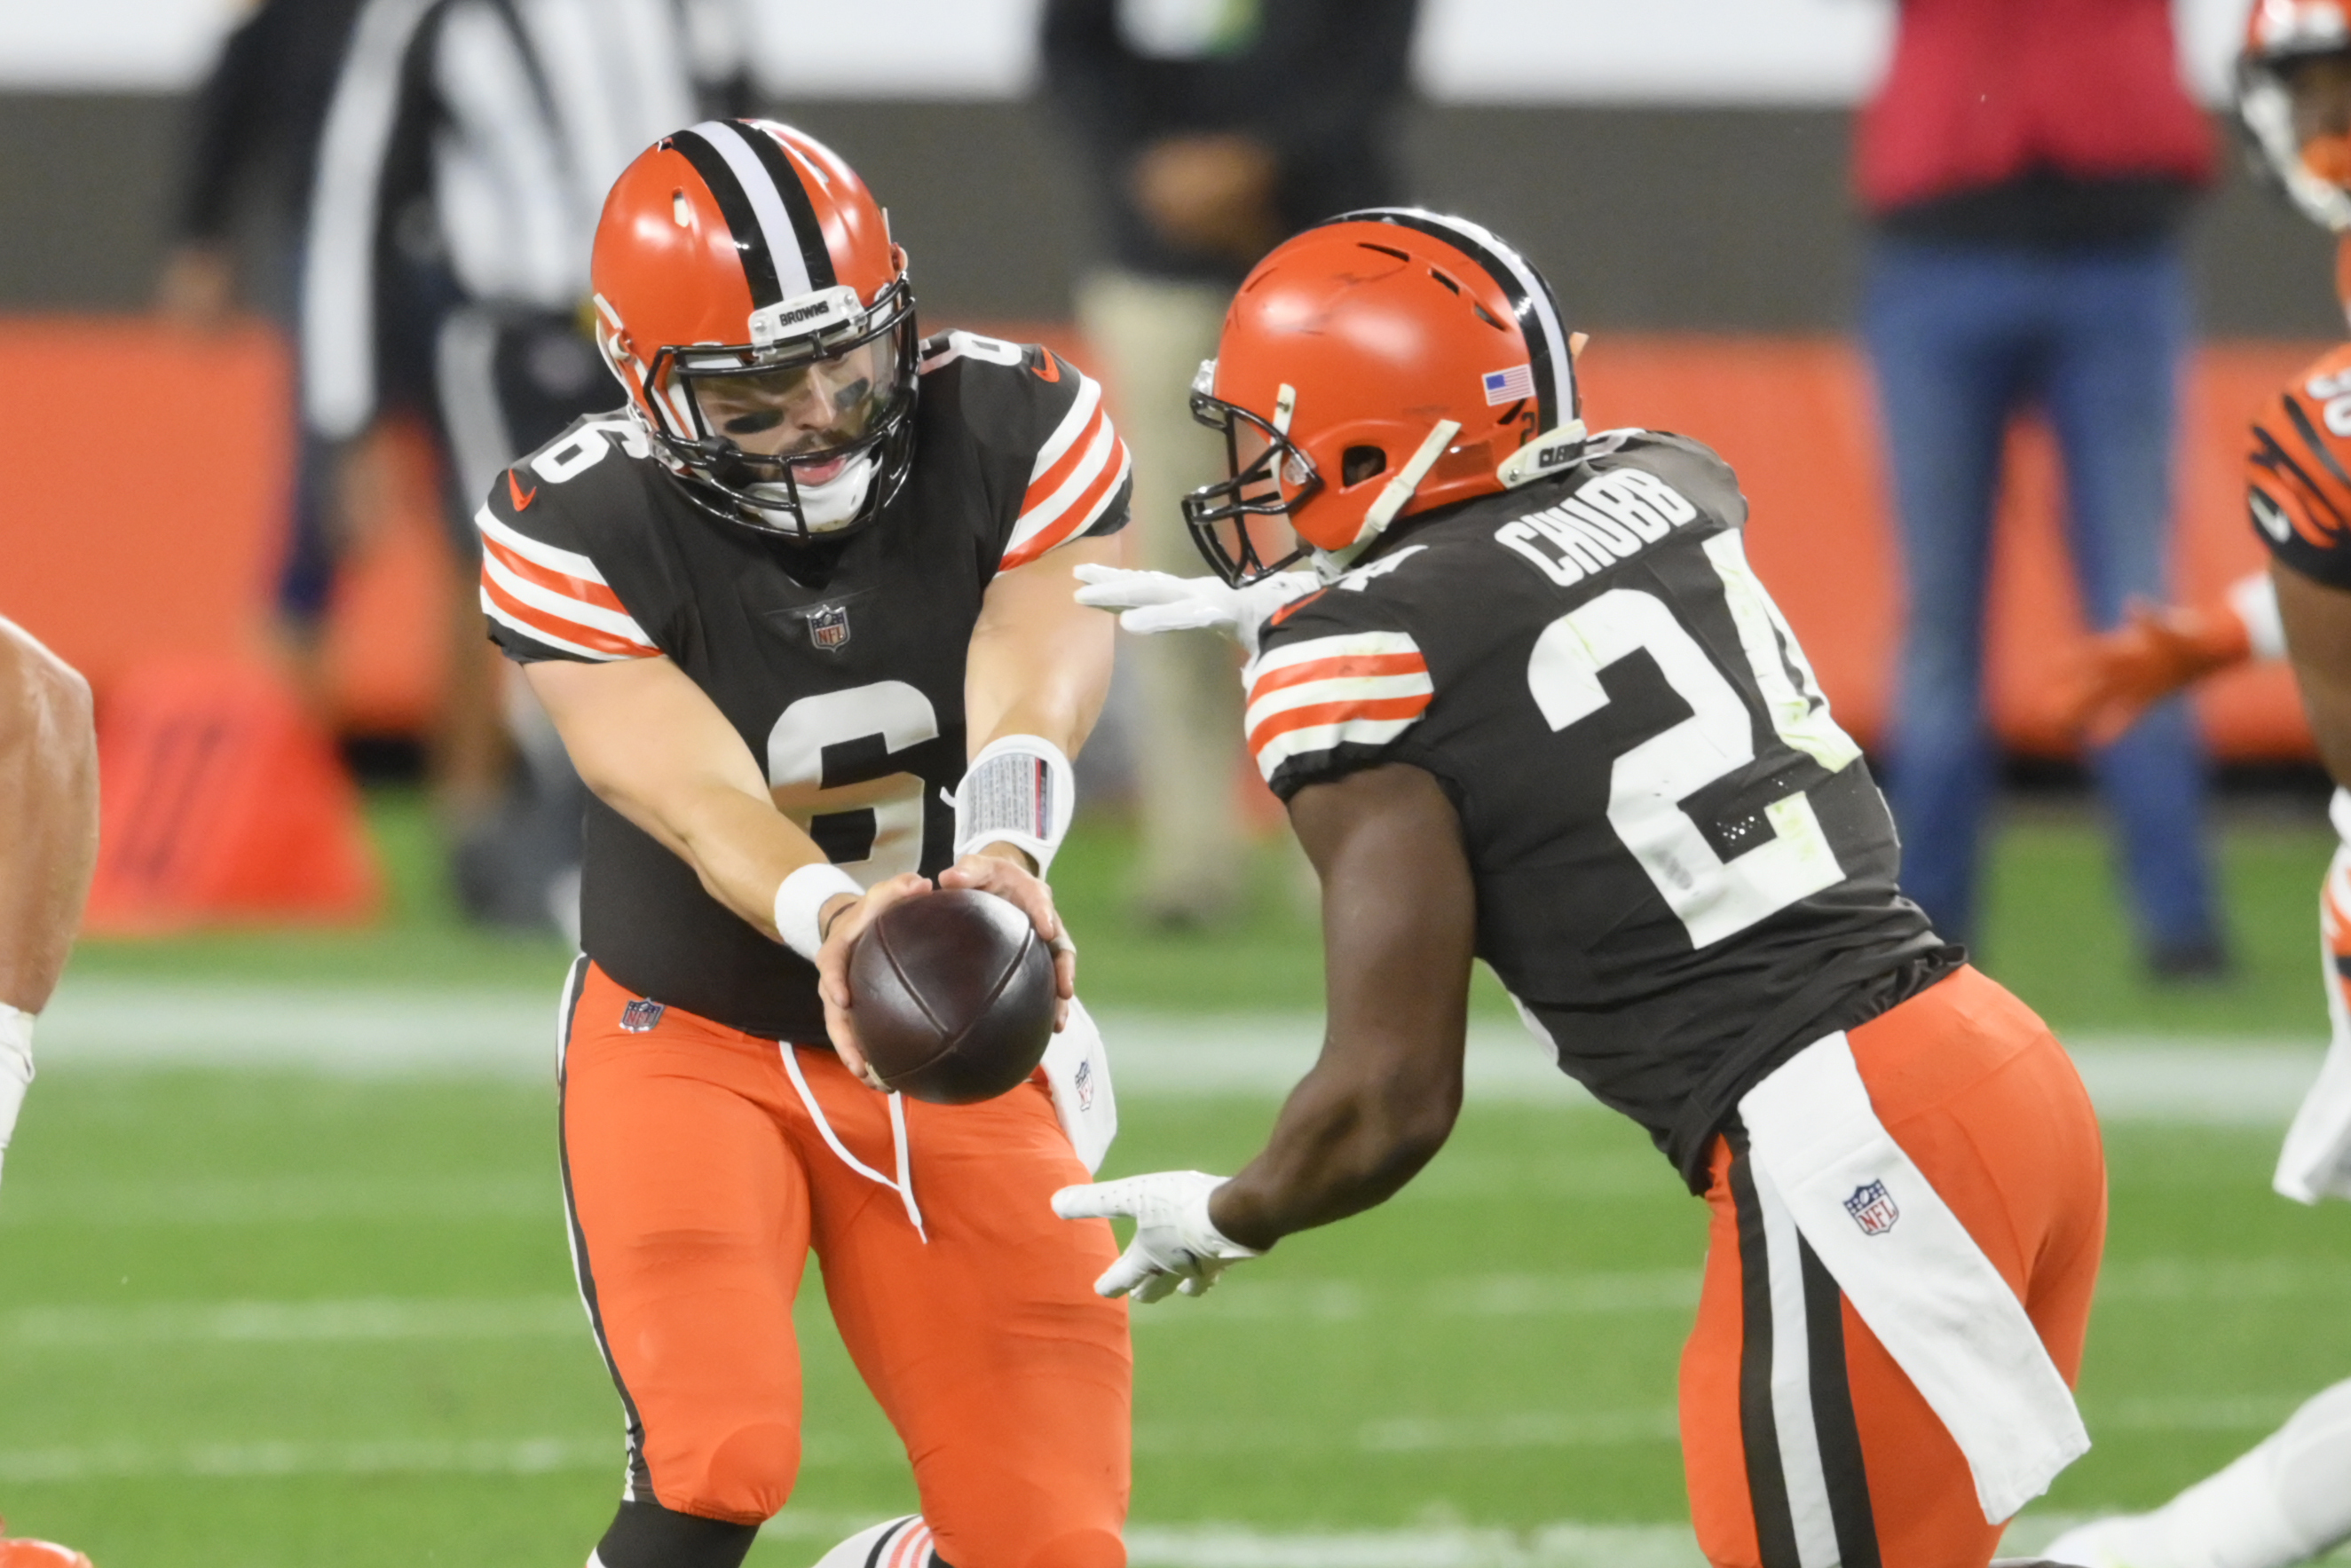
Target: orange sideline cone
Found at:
221, 801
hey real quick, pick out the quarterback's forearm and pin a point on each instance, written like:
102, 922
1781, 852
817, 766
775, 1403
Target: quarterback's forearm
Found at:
740, 847
1399, 926
48, 816
1039, 661
654, 747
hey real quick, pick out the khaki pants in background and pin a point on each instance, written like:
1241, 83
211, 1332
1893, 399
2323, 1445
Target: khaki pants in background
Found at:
1150, 336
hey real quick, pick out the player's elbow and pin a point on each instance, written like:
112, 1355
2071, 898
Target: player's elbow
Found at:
48, 710
1404, 1119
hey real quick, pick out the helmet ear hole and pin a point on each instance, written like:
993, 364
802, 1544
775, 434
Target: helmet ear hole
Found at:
1358, 463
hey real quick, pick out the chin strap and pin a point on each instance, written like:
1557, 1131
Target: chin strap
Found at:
1392, 500
1552, 451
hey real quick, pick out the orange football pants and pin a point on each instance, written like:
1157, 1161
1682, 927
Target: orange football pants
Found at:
1977, 1091
699, 1183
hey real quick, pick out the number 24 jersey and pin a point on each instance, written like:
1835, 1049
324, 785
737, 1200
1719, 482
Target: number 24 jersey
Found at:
1684, 871
841, 664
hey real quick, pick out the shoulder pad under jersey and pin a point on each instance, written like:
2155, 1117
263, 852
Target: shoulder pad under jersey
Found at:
542, 588
1042, 430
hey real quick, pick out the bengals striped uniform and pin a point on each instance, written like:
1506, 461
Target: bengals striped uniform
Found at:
2298, 472
1684, 869
841, 662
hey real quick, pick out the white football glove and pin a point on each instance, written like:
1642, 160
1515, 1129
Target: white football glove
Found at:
1175, 1245
1151, 602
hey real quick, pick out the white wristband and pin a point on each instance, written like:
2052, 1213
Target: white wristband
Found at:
16, 1066
1019, 790
801, 899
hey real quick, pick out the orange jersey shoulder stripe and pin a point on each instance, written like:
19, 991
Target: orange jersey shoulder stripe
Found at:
1081, 515
1315, 714
531, 571
569, 631
1345, 668
1043, 487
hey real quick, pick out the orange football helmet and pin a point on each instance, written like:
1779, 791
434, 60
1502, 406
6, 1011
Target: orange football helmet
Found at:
40, 1554
2297, 119
1381, 363
750, 300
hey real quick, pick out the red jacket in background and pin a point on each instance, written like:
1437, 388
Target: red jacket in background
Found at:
1982, 91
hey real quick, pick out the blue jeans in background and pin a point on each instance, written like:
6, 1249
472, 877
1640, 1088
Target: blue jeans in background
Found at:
1963, 338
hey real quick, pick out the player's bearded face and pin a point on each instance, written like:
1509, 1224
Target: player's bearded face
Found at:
812, 408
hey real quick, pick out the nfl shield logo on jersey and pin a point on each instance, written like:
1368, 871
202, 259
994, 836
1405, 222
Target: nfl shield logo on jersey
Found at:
639, 1016
1872, 1207
828, 626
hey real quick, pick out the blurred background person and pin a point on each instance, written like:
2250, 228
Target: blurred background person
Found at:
252, 157
464, 158
251, 151
2027, 257
1210, 130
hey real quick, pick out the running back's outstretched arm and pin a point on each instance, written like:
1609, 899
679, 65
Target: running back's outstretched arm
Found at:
1399, 928
49, 804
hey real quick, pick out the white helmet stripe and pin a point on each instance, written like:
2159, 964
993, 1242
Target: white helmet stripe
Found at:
766, 206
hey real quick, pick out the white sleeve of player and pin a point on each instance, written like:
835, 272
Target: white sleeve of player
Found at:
2254, 599
2316, 1160
15, 1067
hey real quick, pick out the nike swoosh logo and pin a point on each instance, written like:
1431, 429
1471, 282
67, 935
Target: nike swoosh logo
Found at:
1050, 371
1284, 613
521, 498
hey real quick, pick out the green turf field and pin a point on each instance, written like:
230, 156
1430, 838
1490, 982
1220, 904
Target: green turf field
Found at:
282, 1317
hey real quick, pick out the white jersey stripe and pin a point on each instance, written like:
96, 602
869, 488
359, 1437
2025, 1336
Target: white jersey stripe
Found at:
570, 563
1349, 646
1073, 424
592, 617
1791, 1383
490, 608
1324, 737
1043, 515
1340, 689
775, 223
1040, 542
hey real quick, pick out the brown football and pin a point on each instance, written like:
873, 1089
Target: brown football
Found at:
952, 994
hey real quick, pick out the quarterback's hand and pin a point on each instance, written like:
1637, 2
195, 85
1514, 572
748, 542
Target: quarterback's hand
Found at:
848, 923
1012, 880
1177, 1245
1151, 602
2158, 649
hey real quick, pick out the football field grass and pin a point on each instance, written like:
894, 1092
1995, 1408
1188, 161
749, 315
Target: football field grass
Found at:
276, 1315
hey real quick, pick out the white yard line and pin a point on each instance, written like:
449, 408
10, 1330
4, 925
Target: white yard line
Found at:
290, 1323
2197, 1080
279, 1200
1670, 1293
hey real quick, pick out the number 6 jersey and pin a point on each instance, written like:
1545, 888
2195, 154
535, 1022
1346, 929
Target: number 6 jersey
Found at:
841, 664
1684, 871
